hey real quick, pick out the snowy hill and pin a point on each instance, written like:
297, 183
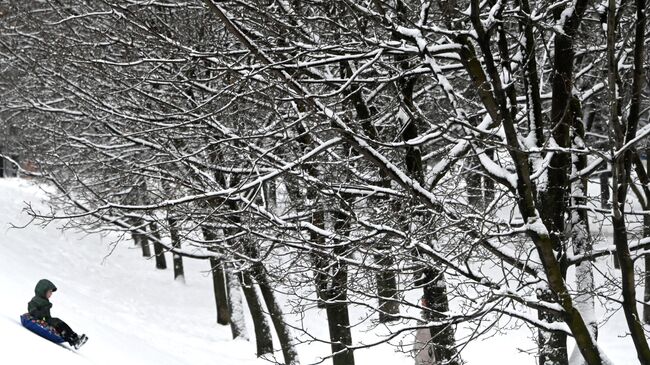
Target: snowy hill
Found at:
135, 314
132, 313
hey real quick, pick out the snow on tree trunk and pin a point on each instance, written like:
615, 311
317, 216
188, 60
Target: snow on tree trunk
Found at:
552, 345
236, 306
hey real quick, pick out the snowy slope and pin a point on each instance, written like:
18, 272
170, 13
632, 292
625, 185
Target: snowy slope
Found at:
132, 313
135, 314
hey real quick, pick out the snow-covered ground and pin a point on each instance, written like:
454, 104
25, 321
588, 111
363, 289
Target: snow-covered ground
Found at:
135, 314
132, 313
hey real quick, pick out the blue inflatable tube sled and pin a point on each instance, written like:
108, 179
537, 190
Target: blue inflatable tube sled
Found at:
41, 328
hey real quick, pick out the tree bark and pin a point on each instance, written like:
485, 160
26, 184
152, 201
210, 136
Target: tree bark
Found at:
142, 240
336, 303
646, 259
218, 283
277, 317
220, 291
236, 306
179, 272
580, 236
158, 249
474, 184
263, 338
435, 300
386, 286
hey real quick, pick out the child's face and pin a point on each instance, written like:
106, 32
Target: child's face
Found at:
48, 294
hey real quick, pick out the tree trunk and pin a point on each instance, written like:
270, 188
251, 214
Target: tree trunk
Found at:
433, 282
581, 239
629, 291
604, 189
552, 345
474, 182
338, 321
179, 273
271, 195
386, 286
144, 243
488, 183
220, 291
319, 261
622, 165
263, 338
277, 317
646, 257
553, 200
282, 330
159, 251
218, 282
336, 302
435, 300
236, 306
142, 240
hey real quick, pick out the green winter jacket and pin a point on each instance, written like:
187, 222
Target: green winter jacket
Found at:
39, 306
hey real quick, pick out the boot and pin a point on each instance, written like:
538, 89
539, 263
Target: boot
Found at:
81, 340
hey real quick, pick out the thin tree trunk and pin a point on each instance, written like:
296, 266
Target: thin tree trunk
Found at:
435, 300
220, 291
336, 306
282, 330
158, 249
604, 189
623, 166
474, 182
386, 286
488, 184
142, 240
144, 244
434, 285
218, 283
277, 317
646, 257
552, 345
271, 195
581, 238
319, 261
179, 272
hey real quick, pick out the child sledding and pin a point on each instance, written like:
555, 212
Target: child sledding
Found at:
39, 320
